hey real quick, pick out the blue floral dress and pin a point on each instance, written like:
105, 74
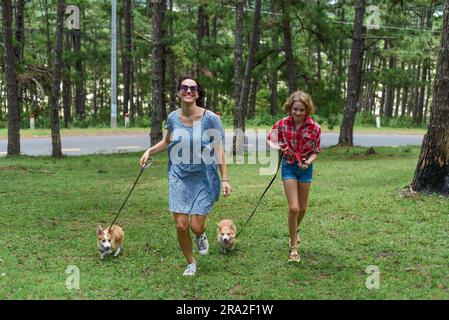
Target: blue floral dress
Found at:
193, 178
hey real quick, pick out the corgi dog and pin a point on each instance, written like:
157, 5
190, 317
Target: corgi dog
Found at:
110, 240
226, 232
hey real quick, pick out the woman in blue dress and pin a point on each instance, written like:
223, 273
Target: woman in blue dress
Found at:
194, 140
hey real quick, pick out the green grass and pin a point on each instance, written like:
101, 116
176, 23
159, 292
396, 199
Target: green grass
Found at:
358, 216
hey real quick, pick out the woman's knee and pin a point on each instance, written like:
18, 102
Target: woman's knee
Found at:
182, 226
197, 228
302, 210
293, 211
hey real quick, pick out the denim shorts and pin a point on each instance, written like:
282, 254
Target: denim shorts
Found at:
293, 171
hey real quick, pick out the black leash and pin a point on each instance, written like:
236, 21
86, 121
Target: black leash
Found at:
142, 169
266, 189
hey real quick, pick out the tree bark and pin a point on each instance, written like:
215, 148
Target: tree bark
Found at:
288, 47
416, 95
47, 24
253, 46
80, 94
11, 81
426, 107
273, 80
355, 77
157, 71
171, 63
253, 98
127, 59
238, 75
422, 92
67, 87
200, 35
56, 84
318, 46
20, 31
432, 170
341, 54
389, 102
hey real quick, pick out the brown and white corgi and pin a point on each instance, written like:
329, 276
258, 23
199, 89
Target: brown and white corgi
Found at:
226, 231
110, 240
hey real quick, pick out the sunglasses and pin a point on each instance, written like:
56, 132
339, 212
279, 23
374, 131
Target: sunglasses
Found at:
185, 88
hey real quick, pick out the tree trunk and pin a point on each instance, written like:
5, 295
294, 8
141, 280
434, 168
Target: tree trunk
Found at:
355, 77
157, 71
422, 92
253, 97
101, 85
341, 54
389, 102
238, 75
11, 81
67, 87
318, 46
274, 71
47, 24
432, 170
80, 96
397, 102
56, 84
253, 46
127, 57
404, 101
426, 107
20, 31
200, 35
416, 100
288, 47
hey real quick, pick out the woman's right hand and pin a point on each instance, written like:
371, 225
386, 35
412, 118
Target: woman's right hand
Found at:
144, 158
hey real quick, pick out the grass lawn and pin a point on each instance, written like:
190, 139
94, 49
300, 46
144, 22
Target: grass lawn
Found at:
27, 133
358, 216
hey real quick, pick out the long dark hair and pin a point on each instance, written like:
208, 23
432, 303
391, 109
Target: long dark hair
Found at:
200, 99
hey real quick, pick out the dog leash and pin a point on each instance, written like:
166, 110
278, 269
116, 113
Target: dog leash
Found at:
266, 189
142, 169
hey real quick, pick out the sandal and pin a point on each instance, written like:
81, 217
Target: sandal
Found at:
294, 255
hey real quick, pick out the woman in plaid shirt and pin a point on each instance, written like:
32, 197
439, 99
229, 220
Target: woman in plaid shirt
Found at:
298, 137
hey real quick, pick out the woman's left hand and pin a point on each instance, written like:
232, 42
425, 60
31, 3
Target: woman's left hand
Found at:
226, 186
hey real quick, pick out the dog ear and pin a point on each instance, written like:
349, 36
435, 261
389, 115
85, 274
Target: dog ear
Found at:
111, 229
99, 230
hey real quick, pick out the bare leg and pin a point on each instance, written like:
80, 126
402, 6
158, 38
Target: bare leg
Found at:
291, 191
184, 239
303, 196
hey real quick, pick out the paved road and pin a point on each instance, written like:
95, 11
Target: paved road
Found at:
132, 143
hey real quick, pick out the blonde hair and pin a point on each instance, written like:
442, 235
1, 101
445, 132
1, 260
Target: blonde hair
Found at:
302, 97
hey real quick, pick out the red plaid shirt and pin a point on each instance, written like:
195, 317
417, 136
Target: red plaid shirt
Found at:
299, 142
